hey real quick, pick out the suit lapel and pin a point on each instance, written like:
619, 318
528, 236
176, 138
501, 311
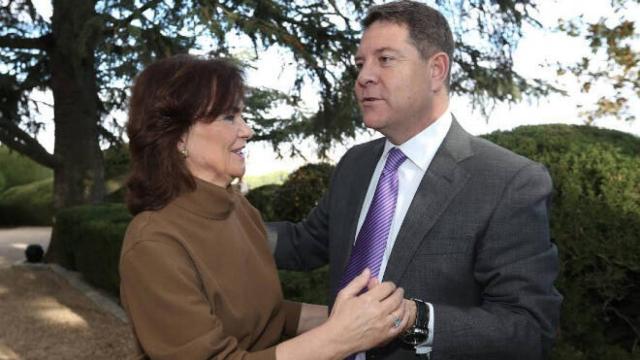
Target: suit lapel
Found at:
442, 181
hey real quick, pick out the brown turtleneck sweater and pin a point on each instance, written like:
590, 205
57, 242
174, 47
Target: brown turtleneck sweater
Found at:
199, 280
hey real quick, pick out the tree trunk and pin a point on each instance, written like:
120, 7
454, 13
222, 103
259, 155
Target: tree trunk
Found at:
79, 179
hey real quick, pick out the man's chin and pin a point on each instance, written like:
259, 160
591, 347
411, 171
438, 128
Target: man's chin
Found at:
373, 122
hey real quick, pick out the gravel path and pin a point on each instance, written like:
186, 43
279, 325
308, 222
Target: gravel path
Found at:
43, 317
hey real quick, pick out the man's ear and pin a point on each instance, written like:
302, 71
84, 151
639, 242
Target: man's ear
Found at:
438, 70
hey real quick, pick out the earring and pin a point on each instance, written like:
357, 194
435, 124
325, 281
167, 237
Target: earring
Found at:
184, 152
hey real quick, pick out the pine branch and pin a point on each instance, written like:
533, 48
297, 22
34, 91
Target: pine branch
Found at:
20, 141
120, 23
16, 42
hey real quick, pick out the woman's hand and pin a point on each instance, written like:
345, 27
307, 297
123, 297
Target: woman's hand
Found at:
361, 322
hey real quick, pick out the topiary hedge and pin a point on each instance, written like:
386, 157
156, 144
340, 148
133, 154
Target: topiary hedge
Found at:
18, 169
301, 191
262, 198
91, 237
28, 204
595, 221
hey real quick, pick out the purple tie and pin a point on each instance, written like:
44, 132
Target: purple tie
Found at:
372, 238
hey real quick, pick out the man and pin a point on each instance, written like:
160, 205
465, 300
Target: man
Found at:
464, 222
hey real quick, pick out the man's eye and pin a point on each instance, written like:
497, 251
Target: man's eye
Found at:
386, 59
358, 65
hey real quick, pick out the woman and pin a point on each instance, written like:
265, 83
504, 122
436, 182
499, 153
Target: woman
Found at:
198, 279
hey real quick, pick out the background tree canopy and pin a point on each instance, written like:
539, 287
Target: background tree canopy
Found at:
614, 62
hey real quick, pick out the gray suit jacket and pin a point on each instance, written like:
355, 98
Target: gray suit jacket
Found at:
475, 243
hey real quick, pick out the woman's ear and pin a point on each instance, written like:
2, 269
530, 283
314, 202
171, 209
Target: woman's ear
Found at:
182, 145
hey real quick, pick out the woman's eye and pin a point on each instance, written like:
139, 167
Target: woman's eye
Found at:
229, 117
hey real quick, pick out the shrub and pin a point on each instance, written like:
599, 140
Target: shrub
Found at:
116, 161
91, 237
262, 199
29, 204
301, 191
3, 182
595, 221
18, 169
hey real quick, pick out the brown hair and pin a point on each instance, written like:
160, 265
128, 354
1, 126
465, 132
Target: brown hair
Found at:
167, 98
428, 28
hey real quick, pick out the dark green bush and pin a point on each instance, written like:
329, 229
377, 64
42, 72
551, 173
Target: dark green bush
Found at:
301, 191
595, 221
3, 182
91, 237
262, 198
28, 204
116, 161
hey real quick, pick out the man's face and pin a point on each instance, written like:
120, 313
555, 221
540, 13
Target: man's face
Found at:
393, 84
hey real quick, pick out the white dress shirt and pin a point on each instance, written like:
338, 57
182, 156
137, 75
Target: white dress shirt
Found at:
419, 150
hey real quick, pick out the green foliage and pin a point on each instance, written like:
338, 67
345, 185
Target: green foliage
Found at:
262, 199
301, 191
116, 168
125, 36
28, 204
595, 222
116, 161
3, 182
19, 170
613, 67
91, 237
310, 288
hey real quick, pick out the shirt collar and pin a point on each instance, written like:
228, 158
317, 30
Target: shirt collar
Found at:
421, 148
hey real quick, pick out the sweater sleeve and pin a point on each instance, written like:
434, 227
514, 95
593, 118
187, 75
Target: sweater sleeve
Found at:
163, 295
291, 311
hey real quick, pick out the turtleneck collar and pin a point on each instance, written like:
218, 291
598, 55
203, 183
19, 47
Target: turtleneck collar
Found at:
208, 200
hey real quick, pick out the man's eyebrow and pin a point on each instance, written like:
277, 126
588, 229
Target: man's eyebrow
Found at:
379, 51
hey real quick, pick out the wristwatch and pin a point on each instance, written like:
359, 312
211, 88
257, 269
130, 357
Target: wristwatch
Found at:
419, 332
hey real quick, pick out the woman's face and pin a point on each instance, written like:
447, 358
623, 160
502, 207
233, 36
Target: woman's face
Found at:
216, 149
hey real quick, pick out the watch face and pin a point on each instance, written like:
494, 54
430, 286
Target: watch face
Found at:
415, 338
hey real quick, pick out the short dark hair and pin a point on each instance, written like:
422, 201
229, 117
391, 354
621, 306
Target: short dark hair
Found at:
428, 28
167, 98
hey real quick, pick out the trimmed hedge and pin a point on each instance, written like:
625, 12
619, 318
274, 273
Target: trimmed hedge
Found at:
301, 191
28, 187
595, 221
91, 237
28, 204
262, 199
18, 169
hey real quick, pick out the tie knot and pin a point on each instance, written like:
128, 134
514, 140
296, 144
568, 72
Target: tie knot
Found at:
394, 160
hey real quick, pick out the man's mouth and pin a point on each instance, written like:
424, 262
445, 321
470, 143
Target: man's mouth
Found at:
369, 99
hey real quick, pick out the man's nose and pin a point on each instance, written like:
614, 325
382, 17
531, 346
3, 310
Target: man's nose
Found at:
367, 75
